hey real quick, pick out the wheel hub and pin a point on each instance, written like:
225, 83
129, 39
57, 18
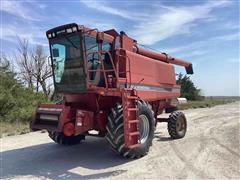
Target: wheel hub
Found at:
180, 124
144, 128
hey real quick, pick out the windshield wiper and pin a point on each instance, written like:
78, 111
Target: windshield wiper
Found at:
69, 40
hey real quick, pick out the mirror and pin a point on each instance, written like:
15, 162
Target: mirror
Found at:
55, 52
49, 60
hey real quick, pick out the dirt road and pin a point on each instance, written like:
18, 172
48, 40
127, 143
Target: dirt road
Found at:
209, 150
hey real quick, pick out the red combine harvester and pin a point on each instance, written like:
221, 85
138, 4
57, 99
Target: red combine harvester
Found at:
112, 86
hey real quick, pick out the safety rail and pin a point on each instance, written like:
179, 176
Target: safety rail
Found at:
100, 53
103, 70
129, 66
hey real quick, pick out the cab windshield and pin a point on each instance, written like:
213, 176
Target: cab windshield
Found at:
67, 60
68, 53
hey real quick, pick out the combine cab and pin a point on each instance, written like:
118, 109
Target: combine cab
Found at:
112, 86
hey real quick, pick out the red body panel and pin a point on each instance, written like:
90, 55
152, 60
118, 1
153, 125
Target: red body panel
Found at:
61, 111
84, 121
150, 72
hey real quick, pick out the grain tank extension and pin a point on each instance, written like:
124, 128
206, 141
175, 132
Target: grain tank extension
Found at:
111, 85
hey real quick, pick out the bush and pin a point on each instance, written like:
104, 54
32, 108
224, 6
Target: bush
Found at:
17, 103
188, 89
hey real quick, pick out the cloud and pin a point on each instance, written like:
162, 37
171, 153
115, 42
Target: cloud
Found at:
228, 25
227, 37
10, 32
161, 22
105, 8
20, 9
173, 21
24, 24
90, 22
199, 48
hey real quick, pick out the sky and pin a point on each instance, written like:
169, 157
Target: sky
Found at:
205, 32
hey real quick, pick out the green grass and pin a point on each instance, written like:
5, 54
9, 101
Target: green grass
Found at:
207, 102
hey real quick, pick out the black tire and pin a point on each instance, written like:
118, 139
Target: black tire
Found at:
115, 131
60, 138
177, 125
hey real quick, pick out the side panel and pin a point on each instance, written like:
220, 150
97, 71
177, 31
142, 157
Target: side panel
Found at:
152, 79
149, 71
84, 121
127, 42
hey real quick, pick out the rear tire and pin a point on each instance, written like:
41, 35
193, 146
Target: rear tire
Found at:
115, 131
177, 125
60, 138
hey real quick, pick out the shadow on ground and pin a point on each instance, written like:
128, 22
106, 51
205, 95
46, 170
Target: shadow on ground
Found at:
54, 161
160, 137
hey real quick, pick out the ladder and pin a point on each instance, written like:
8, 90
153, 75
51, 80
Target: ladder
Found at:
130, 115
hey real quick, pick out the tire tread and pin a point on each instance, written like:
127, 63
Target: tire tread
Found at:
115, 132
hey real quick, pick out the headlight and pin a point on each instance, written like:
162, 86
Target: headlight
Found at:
74, 29
69, 30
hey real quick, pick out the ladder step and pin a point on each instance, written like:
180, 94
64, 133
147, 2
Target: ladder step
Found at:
122, 79
132, 97
134, 146
132, 109
128, 89
109, 70
134, 133
133, 121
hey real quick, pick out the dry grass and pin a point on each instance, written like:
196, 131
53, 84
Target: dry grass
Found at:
9, 129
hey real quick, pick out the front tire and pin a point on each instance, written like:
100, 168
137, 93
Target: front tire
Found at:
115, 130
60, 138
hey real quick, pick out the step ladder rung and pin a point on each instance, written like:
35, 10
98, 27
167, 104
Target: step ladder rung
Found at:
121, 78
134, 133
109, 70
134, 146
128, 89
132, 109
133, 121
132, 97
